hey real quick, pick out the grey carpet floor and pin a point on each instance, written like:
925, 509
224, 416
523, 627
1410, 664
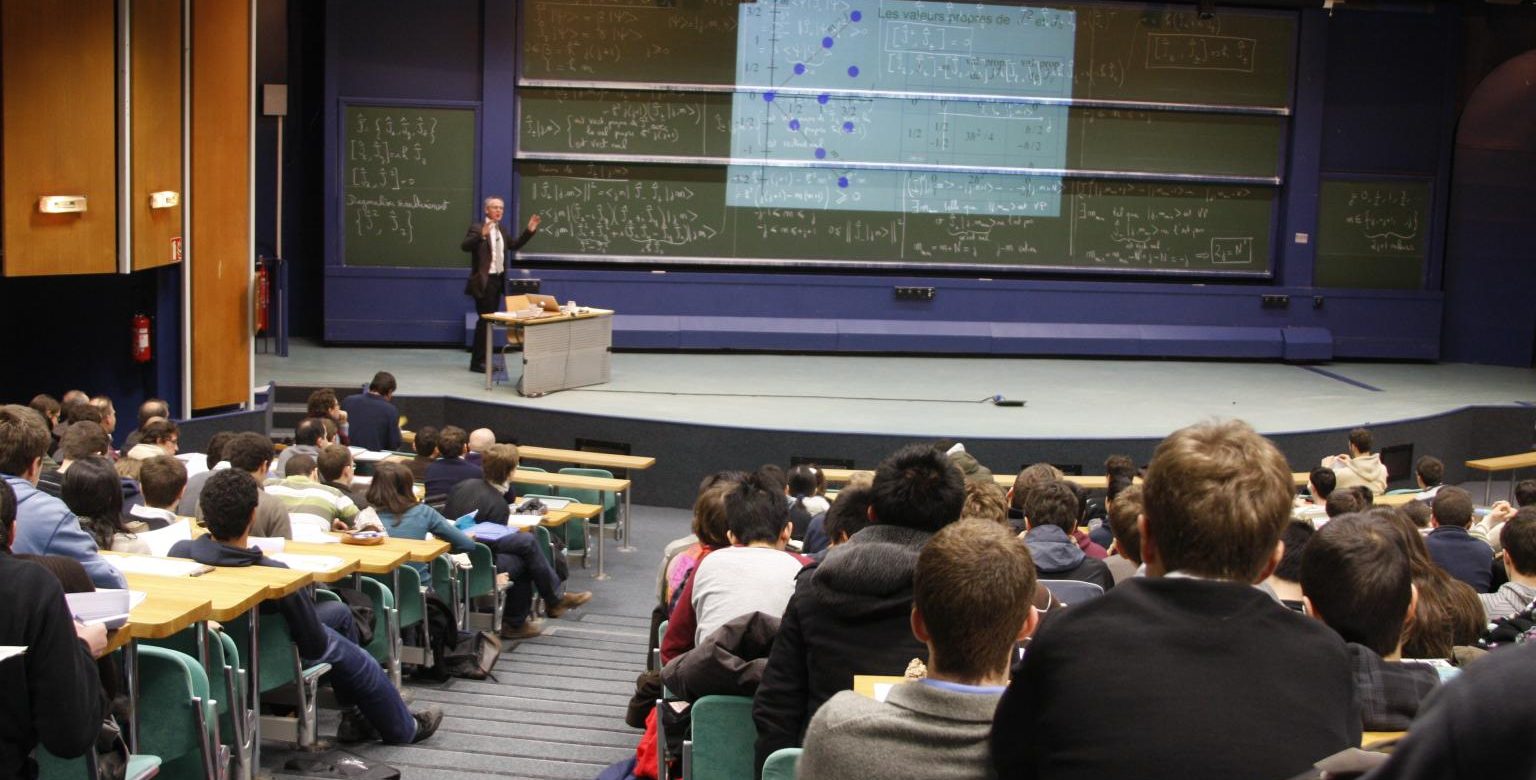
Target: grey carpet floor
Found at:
556, 707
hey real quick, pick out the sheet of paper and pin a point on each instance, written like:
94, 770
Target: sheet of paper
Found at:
11, 651
309, 562
160, 567
310, 535
269, 545
108, 606
883, 690
370, 456
524, 521
160, 541
196, 462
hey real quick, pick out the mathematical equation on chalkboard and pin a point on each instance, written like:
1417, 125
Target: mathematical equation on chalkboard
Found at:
1389, 218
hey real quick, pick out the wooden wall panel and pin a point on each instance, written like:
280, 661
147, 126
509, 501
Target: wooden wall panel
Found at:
155, 35
59, 134
220, 249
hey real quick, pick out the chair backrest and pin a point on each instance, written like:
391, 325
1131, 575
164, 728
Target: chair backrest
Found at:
409, 601
180, 729
383, 604
1070, 592
568, 534
482, 578
782, 764
276, 647
723, 739
545, 546
608, 501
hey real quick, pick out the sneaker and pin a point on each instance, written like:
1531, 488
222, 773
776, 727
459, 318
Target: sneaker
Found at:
569, 601
527, 630
355, 728
427, 721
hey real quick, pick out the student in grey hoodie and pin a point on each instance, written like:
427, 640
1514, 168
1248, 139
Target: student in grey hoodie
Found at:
1050, 515
1359, 466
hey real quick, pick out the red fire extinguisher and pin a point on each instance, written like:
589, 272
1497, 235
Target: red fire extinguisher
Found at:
141, 350
263, 296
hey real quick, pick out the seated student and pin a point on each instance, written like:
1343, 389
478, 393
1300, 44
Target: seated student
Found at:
849, 515
426, 452
1125, 562
517, 555
251, 453
44, 524
373, 422
322, 405
1102, 533
335, 468
214, 460
158, 436
709, 533
1321, 483
1029, 476
1519, 556
376, 711
310, 504
79, 440
163, 479
50, 408
970, 604
1356, 579
1358, 466
755, 573
489, 495
1428, 473
1492, 525
108, 417
53, 694
1343, 502
807, 488
1452, 547
851, 613
1205, 679
816, 540
451, 468
480, 440
985, 501
1050, 512
1285, 581
94, 493
308, 439
1448, 613
1420, 513
1085, 543
151, 409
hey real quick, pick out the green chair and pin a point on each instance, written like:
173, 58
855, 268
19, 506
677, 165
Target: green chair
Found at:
548, 549
547, 488
184, 727
226, 678
481, 581
141, 766
383, 647
445, 583
782, 764
608, 501
283, 678
410, 610
723, 739
569, 533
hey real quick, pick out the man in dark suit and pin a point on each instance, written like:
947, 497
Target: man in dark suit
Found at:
489, 248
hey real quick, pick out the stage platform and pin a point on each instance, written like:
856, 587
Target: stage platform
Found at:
703, 412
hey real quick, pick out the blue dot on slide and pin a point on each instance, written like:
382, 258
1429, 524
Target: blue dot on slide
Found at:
821, 153
856, 16
853, 71
823, 98
842, 181
799, 69
794, 124
847, 127
826, 43
767, 97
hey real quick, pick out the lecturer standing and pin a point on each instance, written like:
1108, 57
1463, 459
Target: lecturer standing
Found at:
489, 247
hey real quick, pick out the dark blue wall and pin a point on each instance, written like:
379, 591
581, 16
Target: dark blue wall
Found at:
1376, 93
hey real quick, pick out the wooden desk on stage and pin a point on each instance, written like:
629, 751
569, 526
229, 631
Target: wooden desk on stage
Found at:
560, 351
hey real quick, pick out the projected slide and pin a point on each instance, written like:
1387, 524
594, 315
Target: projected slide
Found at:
900, 92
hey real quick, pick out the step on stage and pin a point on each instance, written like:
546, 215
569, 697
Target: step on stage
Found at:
698, 413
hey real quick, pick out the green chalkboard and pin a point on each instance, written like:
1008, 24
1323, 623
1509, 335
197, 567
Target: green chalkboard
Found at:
408, 184
678, 213
1163, 53
1373, 234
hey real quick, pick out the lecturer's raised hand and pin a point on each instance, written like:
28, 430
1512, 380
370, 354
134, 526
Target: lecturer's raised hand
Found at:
533, 223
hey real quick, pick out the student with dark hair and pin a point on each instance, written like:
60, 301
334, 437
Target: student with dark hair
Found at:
1320, 484
1452, 547
1344, 502
215, 461
1419, 512
1104, 534
490, 495
335, 468
1029, 476
1428, 473
1357, 580
971, 596
53, 694
163, 479
375, 709
851, 613
849, 515
1519, 555
392, 493
44, 525
322, 405
1050, 513
93, 491
1358, 466
754, 574
426, 452
1285, 581
1196, 649
1448, 613
451, 468
985, 501
79, 440
805, 500
311, 504
1125, 562
252, 453
373, 422
309, 438
709, 534
1491, 526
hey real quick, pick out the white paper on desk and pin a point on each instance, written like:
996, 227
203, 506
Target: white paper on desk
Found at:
362, 482
883, 690
356, 451
312, 535
161, 541
549, 503
11, 651
270, 545
371, 456
524, 521
196, 462
308, 562
109, 606
160, 567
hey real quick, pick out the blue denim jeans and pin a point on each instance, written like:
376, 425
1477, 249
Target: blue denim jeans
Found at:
519, 556
359, 681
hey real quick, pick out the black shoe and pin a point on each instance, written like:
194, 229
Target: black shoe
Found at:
427, 721
355, 728
477, 369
